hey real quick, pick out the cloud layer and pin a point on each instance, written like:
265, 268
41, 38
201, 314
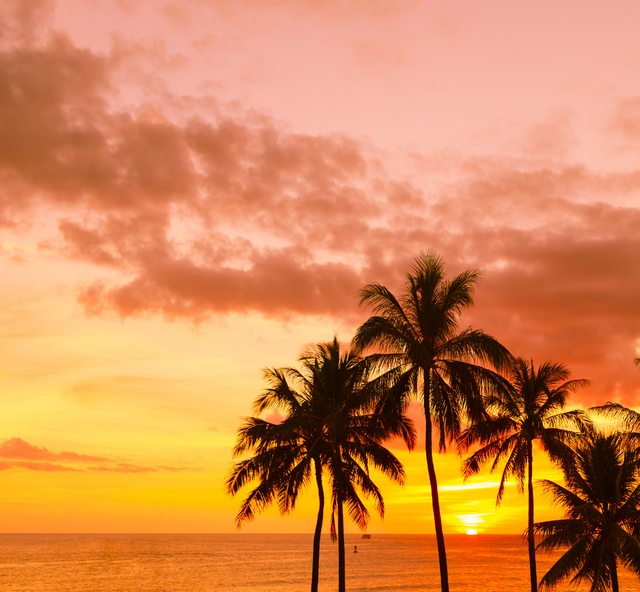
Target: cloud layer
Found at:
189, 207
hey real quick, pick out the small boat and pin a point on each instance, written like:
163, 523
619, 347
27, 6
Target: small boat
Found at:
366, 536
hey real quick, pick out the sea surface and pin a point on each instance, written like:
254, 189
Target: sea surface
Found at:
261, 563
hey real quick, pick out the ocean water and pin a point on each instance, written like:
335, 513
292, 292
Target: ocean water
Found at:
261, 563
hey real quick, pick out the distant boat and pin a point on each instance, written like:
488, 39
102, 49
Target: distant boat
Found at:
366, 536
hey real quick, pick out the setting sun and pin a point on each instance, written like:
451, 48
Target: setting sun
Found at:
471, 531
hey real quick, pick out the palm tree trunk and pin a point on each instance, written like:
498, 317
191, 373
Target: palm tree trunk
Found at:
614, 576
532, 542
342, 572
433, 483
315, 570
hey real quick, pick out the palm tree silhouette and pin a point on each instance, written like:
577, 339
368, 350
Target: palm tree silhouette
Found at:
418, 336
331, 419
283, 455
525, 408
353, 430
601, 526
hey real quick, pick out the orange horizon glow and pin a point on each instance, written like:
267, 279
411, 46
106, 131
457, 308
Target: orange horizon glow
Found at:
191, 192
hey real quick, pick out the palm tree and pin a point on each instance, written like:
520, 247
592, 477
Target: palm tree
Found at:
601, 526
418, 336
284, 454
526, 408
331, 420
353, 430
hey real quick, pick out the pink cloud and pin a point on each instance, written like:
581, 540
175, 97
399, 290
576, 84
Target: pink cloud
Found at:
26, 456
17, 448
551, 137
625, 122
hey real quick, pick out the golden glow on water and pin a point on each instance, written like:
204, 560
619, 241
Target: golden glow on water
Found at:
269, 563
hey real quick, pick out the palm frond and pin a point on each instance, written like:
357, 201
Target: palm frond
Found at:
569, 563
515, 466
494, 450
628, 418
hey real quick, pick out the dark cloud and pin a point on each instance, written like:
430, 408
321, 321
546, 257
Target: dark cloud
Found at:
571, 299
277, 283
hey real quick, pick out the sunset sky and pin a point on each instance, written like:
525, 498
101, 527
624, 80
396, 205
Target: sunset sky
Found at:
193, 190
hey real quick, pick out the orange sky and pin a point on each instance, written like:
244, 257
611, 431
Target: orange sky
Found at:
191, 191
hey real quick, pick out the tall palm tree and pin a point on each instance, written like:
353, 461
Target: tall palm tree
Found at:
331, 420
527, 407
601, 526
417, 334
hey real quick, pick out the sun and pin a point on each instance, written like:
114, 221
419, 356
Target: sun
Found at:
472, 531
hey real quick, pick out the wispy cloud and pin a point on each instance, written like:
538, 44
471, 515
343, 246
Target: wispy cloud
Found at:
35, 466
26, 456
124, 468
17, 448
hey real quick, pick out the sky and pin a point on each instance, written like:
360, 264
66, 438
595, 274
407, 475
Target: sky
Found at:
193, 191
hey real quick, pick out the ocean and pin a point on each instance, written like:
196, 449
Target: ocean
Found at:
262, 563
